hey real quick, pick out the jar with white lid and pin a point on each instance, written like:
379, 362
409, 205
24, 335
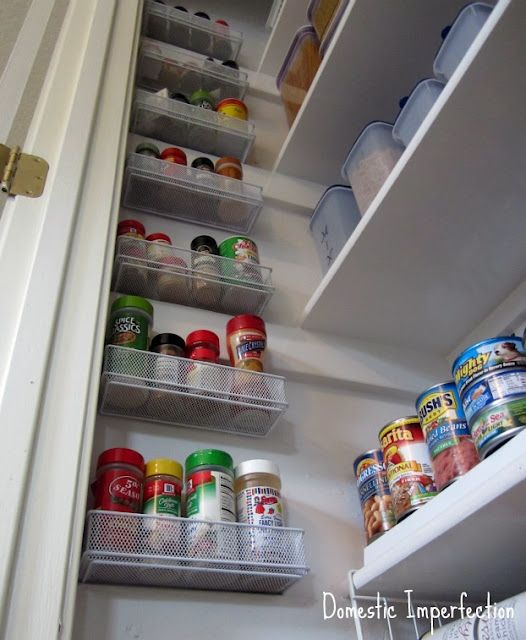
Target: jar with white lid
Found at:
257, 487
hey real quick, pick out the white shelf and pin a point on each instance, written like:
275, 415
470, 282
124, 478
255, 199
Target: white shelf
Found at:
164, 551
373, 60
468, 538
184, 125
442, 245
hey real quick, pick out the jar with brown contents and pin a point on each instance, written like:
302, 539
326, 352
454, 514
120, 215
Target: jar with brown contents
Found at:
246, 341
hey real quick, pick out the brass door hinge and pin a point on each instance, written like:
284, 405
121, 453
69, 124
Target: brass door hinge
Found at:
22, 174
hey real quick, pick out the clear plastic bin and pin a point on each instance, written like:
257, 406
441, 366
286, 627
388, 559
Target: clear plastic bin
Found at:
413, 113
460, 37
328, 35
370, 161
334, 219
321, 13
298, 70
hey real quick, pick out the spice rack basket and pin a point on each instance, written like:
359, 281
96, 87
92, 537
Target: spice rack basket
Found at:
183, 124
184, 277
179, 391
183, 193
191, 32
164, 551
161, 66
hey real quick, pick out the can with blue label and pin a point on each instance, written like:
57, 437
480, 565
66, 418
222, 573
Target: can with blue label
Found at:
492, 387
447, 434
375, 497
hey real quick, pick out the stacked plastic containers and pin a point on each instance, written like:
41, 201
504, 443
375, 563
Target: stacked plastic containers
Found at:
324, 16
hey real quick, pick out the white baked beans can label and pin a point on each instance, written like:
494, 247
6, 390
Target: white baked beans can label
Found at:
373, 489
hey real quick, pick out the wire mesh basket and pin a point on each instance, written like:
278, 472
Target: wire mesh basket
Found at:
162, 66
173, 390
194, 279
184, 125
180, 192
164, 551
191, 32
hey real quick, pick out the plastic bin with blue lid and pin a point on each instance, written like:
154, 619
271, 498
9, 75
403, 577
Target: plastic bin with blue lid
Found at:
334, 219
370, 161
415, 110
459, 39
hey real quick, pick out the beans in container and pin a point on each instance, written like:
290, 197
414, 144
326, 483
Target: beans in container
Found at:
408, 465
446, 431
497, 423
375, 497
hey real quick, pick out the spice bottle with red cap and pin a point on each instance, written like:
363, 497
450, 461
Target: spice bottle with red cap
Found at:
159, 247
134, 230
202, 346
246, 340
119, 481
172, 280
174, 155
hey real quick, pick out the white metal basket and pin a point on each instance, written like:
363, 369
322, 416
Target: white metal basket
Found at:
172, 390
135, 549
183, 193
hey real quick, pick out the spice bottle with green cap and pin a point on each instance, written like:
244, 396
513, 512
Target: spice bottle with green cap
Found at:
210, 486
201, 98
130, 321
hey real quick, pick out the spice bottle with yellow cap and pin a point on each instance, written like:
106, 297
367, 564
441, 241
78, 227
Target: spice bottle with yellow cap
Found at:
163, 486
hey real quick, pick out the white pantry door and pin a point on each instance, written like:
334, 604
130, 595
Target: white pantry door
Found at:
55, 275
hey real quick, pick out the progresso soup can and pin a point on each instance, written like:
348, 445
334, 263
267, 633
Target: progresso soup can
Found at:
497, 423
375, 497
408, 465
447, 433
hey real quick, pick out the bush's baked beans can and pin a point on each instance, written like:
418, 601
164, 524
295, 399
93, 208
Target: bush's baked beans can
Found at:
375, 497
497, 423
446, 431
408, 465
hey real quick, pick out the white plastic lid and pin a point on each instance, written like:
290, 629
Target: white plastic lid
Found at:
256, 466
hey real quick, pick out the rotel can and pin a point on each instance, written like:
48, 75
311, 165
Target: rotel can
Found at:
408, 465
446, 432
375, 497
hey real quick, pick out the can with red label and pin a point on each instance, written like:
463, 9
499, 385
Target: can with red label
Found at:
119, 481
408, 465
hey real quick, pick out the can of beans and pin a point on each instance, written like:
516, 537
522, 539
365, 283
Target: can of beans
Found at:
408, 465
375, 498
447, 433
497, 423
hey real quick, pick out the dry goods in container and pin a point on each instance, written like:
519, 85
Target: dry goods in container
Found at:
408, 465
328, 35
375, 497
415, 110
246, 342
321, 12
370, 161
202, 346
206, 285
129, 231
159, 247
172, 279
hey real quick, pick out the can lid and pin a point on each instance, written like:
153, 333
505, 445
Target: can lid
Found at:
164, 466
199, 163
167, 338
174, 152
235, 101
245, 321
125, 225
204, 243
132, 301
202, 335
158, 236
148, 146
214, 457
121, 454
256, 466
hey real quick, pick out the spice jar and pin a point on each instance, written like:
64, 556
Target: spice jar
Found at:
203, 99
168, 369
119, 481
210, 486
244, 258
162, 487
203, 164
258, 493
229, 167
233, 108
244, 416
180, 97
130, 320
202, 346
206, 292
132, 228
159, 247
172, 280
246, 341
129, 232
221, 46
148, 149
175, 155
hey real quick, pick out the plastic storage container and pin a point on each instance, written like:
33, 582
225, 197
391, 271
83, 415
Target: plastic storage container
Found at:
464, 30
298, 70
413, 113
322, 12
331, 28
334, 219
370, 161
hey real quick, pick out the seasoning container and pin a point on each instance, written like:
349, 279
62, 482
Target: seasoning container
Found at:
231, 64
258, 493
172, 280
206, 286
203, 99
246, 416
162, 487
210, 486
229, 167
119, 481
168, 369
148, 149
233, 108
221, 45
130, 321
175, 155
180, 97
246, 341
243, 258
375, 497
159, 247
203, 164
202, 347
129, 232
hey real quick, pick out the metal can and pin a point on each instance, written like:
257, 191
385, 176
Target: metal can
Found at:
497, 423
493, 387
446, 431
408, 465
495, 354
375, 497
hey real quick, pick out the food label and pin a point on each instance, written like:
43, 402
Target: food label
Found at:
438, 405
210, 496
250, 346
260, 506
118, 491
130, 331
495, 420
491, 388
445, 435
375, 497
162, 497
244, 250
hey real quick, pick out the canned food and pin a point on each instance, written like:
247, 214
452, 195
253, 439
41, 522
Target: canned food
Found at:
408, 465
497, 423
495, 354
375, 498
447, 433
493, 387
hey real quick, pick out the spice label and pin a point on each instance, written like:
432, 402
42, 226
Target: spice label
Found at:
210, 496
162, 497
260, 506
250, 346
123, 491
130, 331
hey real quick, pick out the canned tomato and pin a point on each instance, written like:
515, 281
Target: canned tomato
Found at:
497, 423
375, 497
495, 354
408, 465
493, 387
447, 433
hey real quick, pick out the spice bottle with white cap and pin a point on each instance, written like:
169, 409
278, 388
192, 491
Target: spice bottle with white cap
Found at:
257, 487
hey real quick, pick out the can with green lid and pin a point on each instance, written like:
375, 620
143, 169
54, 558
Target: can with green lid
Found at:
130, 321
210, 486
